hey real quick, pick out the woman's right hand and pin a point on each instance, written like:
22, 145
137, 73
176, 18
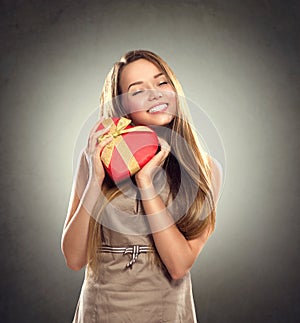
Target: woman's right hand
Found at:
90, 172
92, 153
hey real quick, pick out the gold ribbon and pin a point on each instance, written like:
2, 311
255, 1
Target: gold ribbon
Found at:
116, 131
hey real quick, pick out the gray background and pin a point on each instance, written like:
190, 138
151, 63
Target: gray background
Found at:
237, 59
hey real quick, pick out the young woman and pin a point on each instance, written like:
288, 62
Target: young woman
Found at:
135, 275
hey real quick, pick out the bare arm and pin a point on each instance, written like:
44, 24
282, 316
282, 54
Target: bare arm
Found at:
84, 195
177, 253
75, 234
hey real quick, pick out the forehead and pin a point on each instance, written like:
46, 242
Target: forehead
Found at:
139, 70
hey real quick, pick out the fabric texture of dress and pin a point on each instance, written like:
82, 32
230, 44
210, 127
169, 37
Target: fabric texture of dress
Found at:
141, 293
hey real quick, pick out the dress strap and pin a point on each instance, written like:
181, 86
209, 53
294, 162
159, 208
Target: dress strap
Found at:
134, 250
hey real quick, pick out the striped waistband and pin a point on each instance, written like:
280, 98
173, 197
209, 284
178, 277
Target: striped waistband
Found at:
134, 250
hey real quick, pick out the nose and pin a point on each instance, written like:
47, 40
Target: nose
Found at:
154, 94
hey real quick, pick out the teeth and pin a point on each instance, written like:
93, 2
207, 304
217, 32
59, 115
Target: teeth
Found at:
158, 108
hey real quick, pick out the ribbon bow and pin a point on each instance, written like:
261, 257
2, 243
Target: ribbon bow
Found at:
116, 131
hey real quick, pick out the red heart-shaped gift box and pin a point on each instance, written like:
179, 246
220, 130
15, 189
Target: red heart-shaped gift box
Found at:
131, 148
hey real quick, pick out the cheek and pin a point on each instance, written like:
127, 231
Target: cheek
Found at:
172, 98
128, 105
170, 92
168, 88
134, 105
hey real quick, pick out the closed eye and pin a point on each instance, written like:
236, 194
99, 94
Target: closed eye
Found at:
136, 92
162, 83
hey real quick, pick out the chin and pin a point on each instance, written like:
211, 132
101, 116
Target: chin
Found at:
160, 123
165, 120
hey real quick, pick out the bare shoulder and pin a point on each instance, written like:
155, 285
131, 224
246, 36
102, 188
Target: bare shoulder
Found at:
217, 176
216, 167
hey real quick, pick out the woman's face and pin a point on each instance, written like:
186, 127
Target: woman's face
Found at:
147, 96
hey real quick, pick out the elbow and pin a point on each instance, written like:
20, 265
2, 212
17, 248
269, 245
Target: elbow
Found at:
73, 263
178, 274
74, 266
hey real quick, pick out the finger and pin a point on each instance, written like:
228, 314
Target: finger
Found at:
93, 143
97, 159
104, 142
94, 138
102, 131
164, 144
164, 155
159, 158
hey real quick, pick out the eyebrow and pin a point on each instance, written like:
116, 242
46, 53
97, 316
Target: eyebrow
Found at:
141, 82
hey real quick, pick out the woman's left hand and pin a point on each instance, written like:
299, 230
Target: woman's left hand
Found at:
145, 175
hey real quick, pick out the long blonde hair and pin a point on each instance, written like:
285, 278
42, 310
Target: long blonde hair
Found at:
189, 160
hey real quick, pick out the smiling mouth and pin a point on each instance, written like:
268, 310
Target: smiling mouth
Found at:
158, 108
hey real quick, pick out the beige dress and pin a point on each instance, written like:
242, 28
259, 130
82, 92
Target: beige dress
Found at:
141, 293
